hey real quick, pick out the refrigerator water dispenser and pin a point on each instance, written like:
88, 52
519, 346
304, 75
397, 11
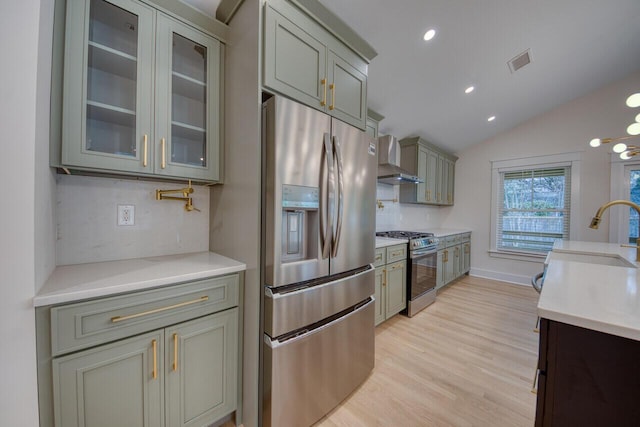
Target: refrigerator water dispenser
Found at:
299, 222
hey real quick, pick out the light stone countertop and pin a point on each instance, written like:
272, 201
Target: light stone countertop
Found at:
441, 232
598, 297
382, 242
76, 282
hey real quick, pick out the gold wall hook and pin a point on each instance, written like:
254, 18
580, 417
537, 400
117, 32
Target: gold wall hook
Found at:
186, 191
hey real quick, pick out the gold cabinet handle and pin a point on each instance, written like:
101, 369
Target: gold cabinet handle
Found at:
332, 86
117, 319
163, 163
396, 253
395, 267
154, 344
428, 195
384, 277
323, 82
175, 352
446, 256
145, 149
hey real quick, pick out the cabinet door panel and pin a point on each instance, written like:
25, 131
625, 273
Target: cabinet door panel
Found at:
111, 385
396, 288
187, 111
294, 60
201, 369
442, 265
379, 294
348, 95
108, 78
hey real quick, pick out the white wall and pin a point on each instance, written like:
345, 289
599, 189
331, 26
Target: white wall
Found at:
567, 128
405, 216
87, 229
19, 24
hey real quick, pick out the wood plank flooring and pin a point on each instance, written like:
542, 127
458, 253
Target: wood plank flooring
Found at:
467, 360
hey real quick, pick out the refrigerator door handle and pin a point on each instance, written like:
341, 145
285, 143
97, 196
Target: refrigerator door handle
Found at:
327, 200
338, 155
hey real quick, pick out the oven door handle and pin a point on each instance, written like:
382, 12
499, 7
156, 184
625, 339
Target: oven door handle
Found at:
418, 253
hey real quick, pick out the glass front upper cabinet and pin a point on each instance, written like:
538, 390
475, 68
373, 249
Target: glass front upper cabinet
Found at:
186, 100
141, 92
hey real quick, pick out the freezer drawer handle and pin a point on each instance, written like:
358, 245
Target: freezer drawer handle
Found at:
117, 319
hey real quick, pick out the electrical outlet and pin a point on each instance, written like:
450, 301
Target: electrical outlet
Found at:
126, 215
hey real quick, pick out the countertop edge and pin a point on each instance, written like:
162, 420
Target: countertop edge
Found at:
183, 268
568, 296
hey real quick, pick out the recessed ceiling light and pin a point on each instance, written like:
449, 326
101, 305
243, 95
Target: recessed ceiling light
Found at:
429, 35
469, 89
633, 101
492, 118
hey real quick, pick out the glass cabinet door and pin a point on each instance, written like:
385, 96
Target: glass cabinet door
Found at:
108, 74
188, 77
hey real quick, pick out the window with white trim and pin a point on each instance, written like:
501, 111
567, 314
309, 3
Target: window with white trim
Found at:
531, 204
534, 209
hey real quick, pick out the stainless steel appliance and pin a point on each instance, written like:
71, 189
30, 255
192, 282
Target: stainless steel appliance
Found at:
422, 267
319, 243
389, 170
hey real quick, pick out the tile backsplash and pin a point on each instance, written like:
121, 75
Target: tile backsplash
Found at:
87, 230
405, 216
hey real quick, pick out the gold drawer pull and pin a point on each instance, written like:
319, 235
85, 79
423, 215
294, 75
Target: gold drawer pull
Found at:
397, 253
145, 143
117, 319
323, 82
175, 352
163, 161
154, 344
332, 86
395, 267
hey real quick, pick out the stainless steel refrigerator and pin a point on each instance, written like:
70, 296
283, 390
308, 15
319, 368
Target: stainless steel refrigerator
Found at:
319, 235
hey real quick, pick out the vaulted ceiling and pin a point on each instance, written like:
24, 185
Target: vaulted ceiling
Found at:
575, 46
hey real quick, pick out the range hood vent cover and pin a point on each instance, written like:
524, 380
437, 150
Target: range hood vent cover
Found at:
389, 172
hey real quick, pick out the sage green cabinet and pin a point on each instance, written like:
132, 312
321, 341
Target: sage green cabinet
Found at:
111, 385
435, 167
303, 61
201, 369
141, 93
373, 122
454, 258
391, 283
179, 376
168, 357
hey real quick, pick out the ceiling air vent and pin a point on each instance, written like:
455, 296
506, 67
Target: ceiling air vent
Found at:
520, 61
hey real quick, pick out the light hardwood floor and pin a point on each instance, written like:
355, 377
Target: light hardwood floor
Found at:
467, 360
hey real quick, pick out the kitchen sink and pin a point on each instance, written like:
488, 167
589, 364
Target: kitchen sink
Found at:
610, 260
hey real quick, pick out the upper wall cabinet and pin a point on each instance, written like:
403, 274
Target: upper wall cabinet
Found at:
305, 62
373, 121
435, 167
141, 93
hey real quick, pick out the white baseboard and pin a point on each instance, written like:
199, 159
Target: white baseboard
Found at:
517, 279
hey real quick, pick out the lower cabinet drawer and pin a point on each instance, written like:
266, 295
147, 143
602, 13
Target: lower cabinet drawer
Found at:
85, 324
381, 257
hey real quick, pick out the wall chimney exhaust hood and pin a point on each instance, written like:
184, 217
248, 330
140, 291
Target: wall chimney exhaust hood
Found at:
389, 171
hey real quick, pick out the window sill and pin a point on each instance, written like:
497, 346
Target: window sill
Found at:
518, 256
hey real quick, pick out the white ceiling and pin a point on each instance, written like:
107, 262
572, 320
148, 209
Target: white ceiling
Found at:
576, 47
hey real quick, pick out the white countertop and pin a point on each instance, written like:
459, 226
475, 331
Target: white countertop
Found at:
441, 232
75, 282
382, 242
598, 297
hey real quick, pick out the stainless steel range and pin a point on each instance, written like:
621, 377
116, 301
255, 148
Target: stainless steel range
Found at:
422, 265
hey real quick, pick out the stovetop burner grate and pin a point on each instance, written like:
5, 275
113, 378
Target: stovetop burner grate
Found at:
404, 234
